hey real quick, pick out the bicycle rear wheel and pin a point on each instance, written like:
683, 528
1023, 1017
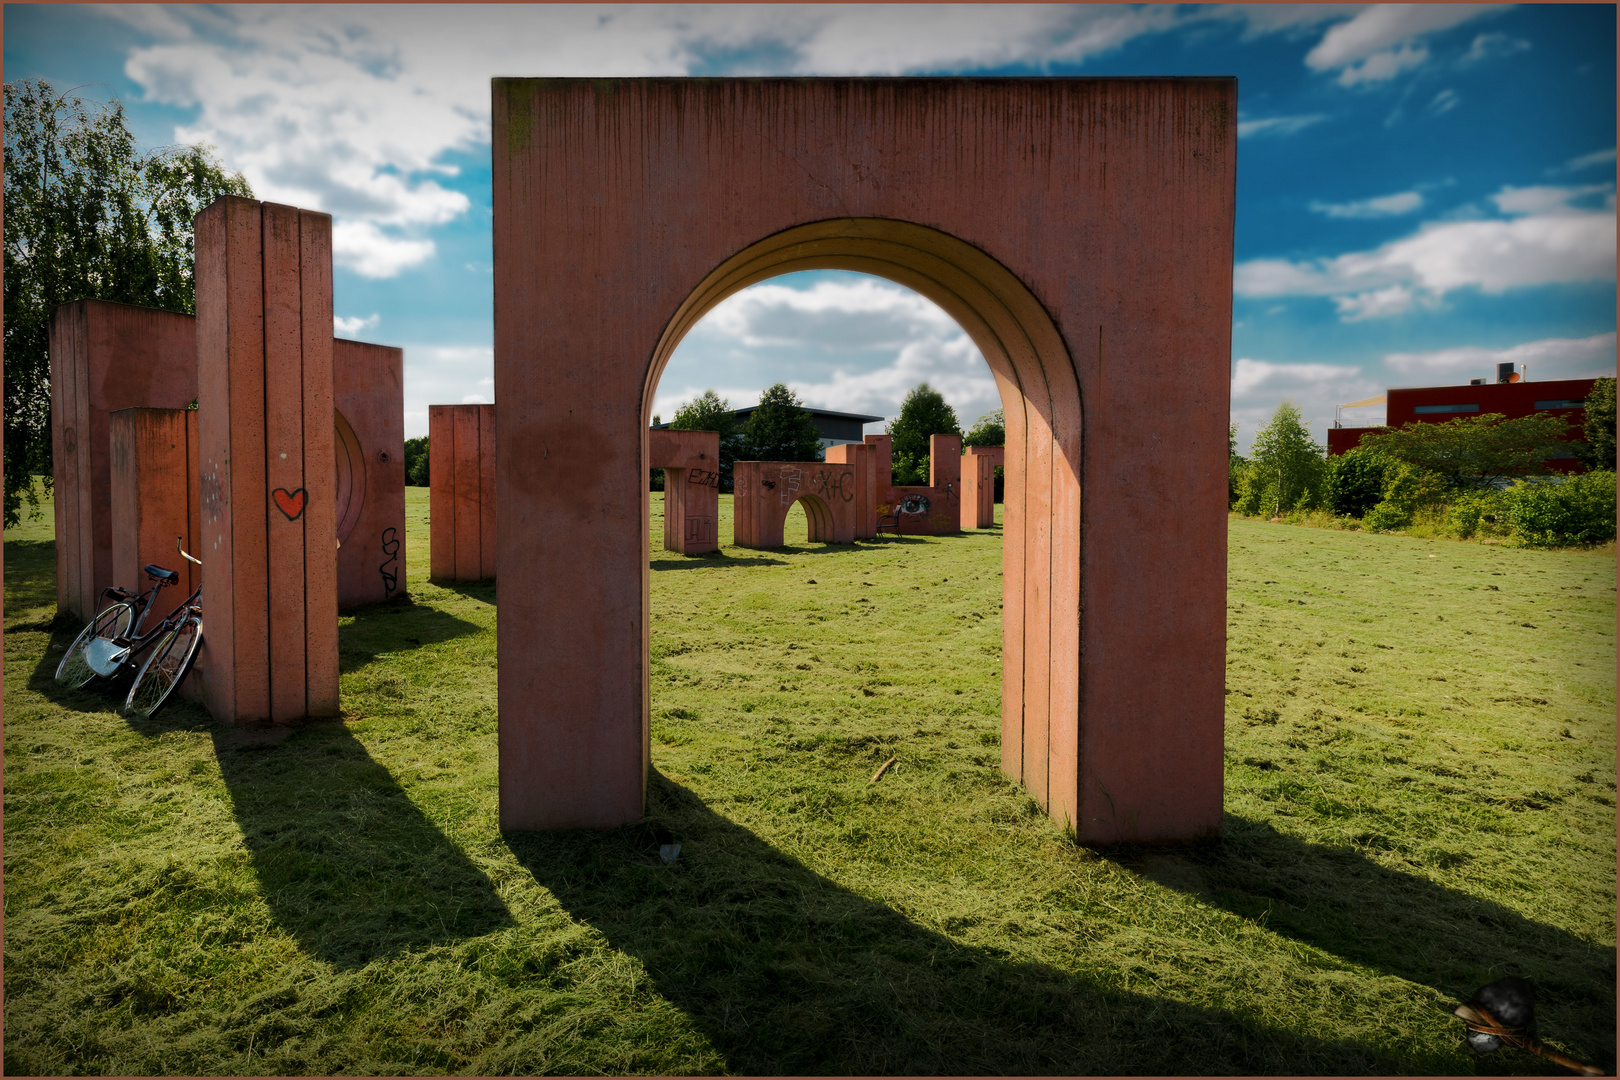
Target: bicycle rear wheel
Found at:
165, 669
114, 620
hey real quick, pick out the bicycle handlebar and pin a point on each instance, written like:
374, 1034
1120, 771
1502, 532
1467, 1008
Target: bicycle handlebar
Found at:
179, 546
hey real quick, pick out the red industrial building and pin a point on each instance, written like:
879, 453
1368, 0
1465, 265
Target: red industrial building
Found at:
1510, 395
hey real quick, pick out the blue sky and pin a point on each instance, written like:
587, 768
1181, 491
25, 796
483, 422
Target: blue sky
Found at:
1422, 190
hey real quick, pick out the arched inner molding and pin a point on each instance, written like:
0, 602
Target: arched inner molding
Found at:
351, 476
1040, 395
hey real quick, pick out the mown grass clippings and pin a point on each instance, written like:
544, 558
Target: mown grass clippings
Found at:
1420, 799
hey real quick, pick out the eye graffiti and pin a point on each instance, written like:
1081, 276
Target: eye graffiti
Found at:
390, 546
914, 504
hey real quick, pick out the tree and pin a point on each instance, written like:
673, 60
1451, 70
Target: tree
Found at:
1284, 454
923, 413
1355, 482
1234, 465
711, 412
416, 462
988, 430
1598, 453
88, 214
780, 429
1476, 452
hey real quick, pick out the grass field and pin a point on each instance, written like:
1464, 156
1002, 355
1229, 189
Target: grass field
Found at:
1420, 798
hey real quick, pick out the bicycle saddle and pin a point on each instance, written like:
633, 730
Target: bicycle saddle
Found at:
157, 573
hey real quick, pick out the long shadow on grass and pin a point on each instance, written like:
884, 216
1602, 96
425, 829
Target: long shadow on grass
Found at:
347, 863
1342, 902
787, 972
395, 626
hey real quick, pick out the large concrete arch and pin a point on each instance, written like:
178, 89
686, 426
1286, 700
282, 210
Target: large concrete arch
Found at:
1079, 230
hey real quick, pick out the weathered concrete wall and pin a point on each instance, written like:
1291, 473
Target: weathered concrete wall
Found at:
368, 387
863, 460
935, 510
1079, 230
979, 486
461, 492
764, 492
265, 434
104, 357
691, 464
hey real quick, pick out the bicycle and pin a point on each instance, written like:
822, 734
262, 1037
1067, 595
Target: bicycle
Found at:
114, 639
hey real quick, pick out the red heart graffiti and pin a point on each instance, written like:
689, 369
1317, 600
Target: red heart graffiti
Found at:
290, 503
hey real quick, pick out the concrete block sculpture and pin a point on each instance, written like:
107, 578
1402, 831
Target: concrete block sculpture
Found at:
863, 460
1079, 230
461, 492
368, 386
979, 466
154, 495
105, 357
934, 510
766, 490
691, 464
265, 433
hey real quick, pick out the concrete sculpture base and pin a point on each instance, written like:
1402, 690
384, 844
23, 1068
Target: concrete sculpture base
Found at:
691, 464
766, 490
461, 492
1080, 232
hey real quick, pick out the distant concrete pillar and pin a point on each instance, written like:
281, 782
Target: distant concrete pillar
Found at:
691, 464
104, 357
979, 486
863, 459
368, 386
461, 492
264, 398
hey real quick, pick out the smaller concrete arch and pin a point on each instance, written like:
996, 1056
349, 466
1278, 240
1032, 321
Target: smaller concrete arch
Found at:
766, 491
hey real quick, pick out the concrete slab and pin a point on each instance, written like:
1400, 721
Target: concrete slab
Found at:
461, 497
691, 464
764, 492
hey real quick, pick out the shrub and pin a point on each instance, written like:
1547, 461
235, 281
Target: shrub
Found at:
1355, 482
1407, 489
1476, 513
1552, 513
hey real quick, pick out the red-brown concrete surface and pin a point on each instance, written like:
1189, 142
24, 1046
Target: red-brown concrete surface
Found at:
268, 473
691, 464
764, 492
368, 387
461, 492
863, 459
935, 510
979, 486
1079, 230
104, 357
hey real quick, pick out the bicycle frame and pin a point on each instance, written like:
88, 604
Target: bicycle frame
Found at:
121, 651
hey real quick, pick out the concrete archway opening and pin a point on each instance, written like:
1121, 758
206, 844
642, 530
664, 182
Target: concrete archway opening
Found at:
1079, 230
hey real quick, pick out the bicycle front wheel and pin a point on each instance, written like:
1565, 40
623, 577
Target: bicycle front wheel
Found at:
114, 620
165, 669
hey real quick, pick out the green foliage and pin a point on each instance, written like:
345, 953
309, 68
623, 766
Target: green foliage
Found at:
1598, 430
710, 412
780, 429
988, 430
923, 413
1234, 462
1477, 514
1407, 489
416, 462
1355, 481
88, 214
1554, 513
1288, 461
1476, 451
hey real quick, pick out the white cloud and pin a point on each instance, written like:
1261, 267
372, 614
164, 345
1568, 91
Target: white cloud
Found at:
1549, 358
850, 343
1492, 46
1259, 386
1378, 42
1278, 125
440, 375
1444, 102
1586, 161
369, 252
1552, 242
350, 326
1381, 206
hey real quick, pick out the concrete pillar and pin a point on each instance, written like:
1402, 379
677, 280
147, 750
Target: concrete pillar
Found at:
104, 357
862, 458
691, 464
154, 495
461, 494
368, 386
265, 434
979, 486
